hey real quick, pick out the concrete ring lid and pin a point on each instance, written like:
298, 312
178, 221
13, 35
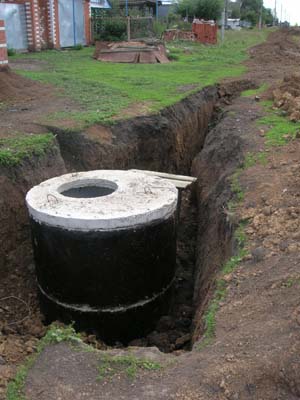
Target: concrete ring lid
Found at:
106, 200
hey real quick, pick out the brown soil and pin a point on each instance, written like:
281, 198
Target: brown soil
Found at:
287, 97
275, 57
24, 102
255, 354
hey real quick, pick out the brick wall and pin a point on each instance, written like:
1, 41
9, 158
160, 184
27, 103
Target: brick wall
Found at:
87, 21
3, 47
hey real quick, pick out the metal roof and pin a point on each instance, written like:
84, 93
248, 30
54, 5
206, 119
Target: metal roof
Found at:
100, 4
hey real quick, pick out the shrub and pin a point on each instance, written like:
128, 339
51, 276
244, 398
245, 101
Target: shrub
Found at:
11, 52
113, 29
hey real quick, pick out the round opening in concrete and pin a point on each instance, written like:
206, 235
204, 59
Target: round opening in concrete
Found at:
87, 189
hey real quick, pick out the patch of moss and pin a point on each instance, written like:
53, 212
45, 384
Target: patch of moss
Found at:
14, 150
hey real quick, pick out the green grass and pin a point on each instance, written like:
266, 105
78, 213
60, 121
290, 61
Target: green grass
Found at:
129, 365
279, 128
104, 90
254, 92
14, 150
55, 334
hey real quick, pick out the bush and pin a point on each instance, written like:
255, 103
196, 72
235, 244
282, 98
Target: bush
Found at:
11, 52
113, 29
77, 47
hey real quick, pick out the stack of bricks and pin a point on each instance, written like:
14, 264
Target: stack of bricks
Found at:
3, 47
176, 34
205, 31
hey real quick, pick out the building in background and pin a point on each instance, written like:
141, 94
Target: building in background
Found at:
38, 24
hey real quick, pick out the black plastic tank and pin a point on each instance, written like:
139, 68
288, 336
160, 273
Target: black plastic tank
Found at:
105, 250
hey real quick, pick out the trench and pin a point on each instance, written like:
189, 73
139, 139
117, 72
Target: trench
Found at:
186, 138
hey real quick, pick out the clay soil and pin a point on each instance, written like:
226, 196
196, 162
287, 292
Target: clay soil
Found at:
255, 352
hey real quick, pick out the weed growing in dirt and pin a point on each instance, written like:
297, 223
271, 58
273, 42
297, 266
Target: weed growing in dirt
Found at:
54, 335
280, 129
291, 282
104, 90
58, 334
254, 92
129, 364
14, 150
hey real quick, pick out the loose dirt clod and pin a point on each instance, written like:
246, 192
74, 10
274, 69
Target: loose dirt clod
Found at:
287, 96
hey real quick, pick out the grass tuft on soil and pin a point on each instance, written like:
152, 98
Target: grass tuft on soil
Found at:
129, 365
103, 91
254, 92
279, 128
14, 150
252, 159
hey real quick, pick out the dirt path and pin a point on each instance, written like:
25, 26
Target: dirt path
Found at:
255, 352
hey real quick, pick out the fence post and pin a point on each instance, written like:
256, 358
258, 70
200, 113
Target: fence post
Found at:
223, 26
3, 47
128, 29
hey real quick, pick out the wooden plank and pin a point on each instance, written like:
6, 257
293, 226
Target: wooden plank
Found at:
167, 176
180, 181
179, 184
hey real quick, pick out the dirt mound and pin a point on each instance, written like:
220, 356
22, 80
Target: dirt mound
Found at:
287, 96
280, 48
15, 87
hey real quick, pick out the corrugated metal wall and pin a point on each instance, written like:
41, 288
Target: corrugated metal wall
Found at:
15, 22
71, 22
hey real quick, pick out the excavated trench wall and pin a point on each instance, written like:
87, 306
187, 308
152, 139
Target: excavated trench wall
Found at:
168, 141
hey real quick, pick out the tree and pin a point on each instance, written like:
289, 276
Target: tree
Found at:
206, 9
234, 9
267, 16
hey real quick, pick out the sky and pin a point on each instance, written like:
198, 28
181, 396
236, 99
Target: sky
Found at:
290, 9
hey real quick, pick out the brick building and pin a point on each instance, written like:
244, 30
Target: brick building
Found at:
40, 24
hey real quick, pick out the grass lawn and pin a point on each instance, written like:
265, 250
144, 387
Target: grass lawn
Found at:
104, 90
